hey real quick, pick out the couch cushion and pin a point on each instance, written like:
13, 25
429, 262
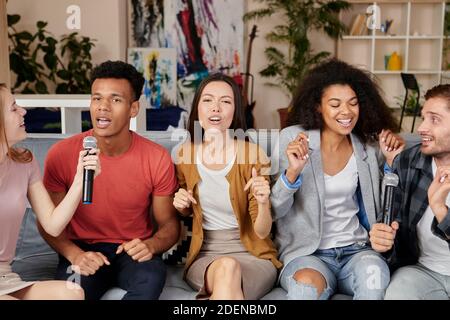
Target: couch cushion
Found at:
176, 288
38, 267
35, 260
179, 251
277, 293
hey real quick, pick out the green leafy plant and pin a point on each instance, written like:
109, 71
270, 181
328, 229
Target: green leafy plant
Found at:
299, 18
39, 59
75, 76
26, 58
411, 101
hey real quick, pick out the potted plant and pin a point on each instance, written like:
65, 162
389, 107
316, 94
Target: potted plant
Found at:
35, 60
38, 59
300, 17
410, 108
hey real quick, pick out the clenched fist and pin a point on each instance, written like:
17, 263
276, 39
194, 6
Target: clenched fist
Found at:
183, 199
382, 236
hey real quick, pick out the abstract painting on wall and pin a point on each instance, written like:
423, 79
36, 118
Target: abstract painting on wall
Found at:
158, 65
206, 34
146, 27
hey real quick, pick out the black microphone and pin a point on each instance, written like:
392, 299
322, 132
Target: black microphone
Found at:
89, 143
390, 182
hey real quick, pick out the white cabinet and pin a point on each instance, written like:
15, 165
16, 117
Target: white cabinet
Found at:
416, 34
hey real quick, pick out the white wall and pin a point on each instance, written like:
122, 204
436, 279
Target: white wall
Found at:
4, 60
269, 99
105, 20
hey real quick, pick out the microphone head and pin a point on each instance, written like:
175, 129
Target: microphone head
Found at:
390, 179
89, 142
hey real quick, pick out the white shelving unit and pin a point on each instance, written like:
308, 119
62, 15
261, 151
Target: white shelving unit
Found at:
71, 106
416, 34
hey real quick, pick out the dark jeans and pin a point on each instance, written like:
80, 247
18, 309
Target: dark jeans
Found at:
141, 280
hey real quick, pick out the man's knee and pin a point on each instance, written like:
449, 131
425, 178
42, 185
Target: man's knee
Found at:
394, 292
402, 286
147, 280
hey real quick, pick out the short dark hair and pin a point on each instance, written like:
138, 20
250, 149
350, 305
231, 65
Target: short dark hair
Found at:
120, 70
374, 114
439, 91
239, 113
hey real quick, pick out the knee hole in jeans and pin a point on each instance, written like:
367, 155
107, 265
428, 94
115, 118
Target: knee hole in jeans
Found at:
311, 277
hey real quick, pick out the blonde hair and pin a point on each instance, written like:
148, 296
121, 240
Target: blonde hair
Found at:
18, 155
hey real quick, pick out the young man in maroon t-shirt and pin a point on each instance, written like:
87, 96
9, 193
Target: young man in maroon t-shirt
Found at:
112, 242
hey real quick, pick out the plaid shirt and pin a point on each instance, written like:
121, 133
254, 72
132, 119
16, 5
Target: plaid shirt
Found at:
411, 200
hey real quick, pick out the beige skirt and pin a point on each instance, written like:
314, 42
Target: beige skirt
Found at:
10, 282
258, 275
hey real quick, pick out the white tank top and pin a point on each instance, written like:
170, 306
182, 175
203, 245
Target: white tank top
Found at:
214, 196
340, 224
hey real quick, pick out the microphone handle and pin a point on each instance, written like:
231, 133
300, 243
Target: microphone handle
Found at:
88, 186
388, 205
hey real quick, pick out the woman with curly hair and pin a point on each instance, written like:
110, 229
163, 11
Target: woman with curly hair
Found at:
327, 193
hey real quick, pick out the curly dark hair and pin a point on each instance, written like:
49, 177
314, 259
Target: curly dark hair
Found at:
120, 70
239, 112
374, 114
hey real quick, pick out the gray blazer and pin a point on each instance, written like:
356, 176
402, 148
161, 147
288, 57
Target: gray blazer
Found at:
298, 213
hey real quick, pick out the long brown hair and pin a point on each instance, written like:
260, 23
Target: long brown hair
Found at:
18, 155
239, 112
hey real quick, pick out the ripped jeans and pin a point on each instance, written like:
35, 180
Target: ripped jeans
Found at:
354, 270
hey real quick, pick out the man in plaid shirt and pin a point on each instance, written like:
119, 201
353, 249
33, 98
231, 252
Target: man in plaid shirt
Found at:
418, 242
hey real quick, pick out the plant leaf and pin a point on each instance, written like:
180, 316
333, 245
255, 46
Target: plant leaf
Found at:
41, 87
41, 24
62, 88
13, 19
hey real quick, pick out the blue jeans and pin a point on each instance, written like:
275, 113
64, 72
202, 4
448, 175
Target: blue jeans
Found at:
354, 270
141, 280
417, 282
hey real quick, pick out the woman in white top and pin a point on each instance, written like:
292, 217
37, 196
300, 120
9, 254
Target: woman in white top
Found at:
224, 187
20, 179
327, 194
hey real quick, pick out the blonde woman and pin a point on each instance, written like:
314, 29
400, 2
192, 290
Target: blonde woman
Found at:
20, 179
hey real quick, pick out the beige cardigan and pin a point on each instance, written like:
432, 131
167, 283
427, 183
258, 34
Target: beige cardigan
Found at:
243, 202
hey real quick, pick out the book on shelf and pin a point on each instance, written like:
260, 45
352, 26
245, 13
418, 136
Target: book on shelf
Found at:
359, 27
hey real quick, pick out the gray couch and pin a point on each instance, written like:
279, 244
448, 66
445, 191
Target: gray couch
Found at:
35, 260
